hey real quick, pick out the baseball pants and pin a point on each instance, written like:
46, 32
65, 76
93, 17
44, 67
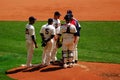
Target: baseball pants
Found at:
46, 57
67, 48
30, 50
54, 51
75, 49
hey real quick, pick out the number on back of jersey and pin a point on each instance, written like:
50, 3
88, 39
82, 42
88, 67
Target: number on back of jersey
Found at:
47, 31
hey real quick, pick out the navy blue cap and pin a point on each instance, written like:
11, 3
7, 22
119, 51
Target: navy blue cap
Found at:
68, 17
69, 12
32, 18
57, 13
50, 20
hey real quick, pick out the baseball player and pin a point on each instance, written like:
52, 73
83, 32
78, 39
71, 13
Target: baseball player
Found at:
68, 31
30, 40
56, 24
47, 33
78, 27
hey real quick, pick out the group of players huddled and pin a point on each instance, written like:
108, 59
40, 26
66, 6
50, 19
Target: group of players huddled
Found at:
55, 35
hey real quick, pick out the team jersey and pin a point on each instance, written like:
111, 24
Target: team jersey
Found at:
68, 31
30, 30
47, 31
56, 24
77, 25
75, 22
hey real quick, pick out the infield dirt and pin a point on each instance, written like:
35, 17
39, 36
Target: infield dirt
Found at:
83, 10
81, 71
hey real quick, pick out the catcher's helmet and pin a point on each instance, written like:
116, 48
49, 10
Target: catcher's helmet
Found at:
68, 17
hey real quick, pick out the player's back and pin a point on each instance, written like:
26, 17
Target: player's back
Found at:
68, 31
47, 31
29, 31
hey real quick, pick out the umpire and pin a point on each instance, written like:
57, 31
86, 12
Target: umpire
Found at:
78, 27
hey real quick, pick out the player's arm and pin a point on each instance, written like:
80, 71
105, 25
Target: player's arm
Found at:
43, 39
52, 36
42, 36
43, 43
32, 33
75, 34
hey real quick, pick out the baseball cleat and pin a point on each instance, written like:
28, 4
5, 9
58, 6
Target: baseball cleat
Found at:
24, 65
65, 66
70, 65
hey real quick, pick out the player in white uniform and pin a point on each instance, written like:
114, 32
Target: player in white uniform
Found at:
68, 31
56, 24
47, 33
30, 40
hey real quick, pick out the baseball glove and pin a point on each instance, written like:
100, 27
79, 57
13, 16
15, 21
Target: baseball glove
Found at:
59, 43
44, 43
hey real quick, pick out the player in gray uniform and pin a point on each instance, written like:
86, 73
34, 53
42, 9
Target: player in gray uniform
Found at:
30, 40
47, 33
78, 27
68, 31
56, 24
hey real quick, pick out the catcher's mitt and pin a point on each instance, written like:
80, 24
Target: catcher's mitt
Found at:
59, 42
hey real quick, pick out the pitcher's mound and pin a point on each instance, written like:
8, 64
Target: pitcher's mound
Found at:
81, 71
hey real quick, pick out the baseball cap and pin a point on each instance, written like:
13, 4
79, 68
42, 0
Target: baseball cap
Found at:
32, 18
57, 13
69, 12
50, 20
68, 17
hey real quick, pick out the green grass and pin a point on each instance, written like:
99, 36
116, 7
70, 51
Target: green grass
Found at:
99, 42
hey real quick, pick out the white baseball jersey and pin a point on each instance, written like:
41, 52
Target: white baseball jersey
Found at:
56, 24
67, 31
30, 30
47, 31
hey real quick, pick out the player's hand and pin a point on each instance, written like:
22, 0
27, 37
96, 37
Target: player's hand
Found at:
44, 43
75, 41
36, 46
55, 38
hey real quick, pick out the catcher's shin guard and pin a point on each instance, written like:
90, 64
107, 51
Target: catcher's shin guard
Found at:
64, 55
70, 56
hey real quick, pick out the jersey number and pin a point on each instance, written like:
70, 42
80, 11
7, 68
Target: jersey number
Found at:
46, 31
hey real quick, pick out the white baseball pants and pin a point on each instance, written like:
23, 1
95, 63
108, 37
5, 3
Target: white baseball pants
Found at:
30, 49
54, 51
46, 56
75, 49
